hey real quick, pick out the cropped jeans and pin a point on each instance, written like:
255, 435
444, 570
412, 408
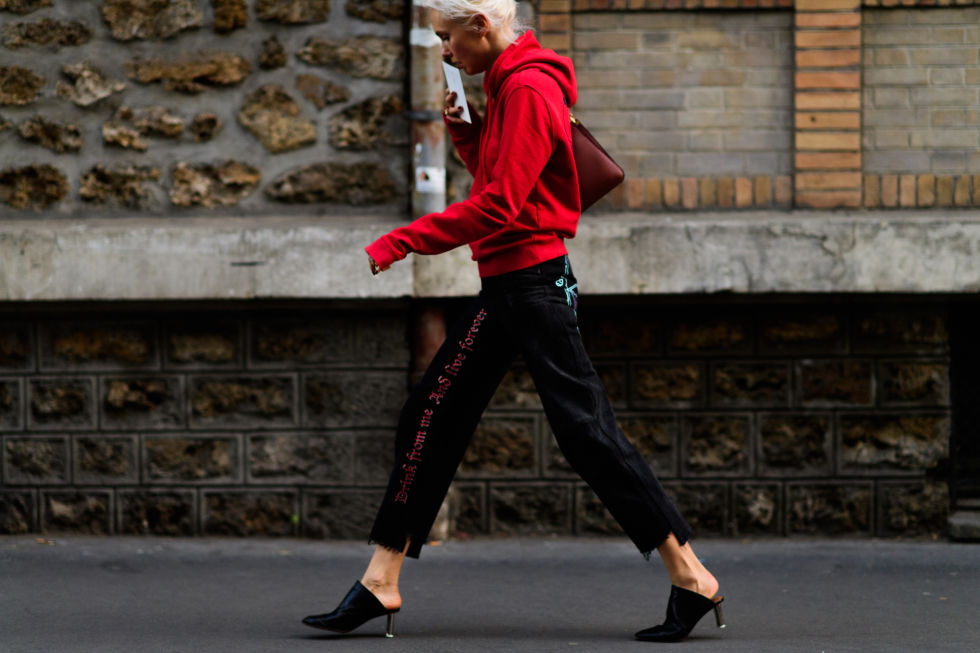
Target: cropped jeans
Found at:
531, 312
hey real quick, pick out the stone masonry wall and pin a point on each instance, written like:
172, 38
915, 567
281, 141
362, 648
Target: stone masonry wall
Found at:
186, 107
828, 418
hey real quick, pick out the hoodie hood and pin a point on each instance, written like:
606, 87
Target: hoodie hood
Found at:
526, 52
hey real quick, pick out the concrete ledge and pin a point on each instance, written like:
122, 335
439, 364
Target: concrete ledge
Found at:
635, 254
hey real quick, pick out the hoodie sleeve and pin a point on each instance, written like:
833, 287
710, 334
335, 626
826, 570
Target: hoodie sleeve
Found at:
526, 144
466, 140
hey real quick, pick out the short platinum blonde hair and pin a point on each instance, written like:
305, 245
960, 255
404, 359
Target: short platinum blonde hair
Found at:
500, 13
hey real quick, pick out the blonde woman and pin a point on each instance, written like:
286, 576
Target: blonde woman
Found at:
524, 203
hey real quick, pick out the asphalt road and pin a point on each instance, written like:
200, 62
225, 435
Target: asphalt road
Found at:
148, 595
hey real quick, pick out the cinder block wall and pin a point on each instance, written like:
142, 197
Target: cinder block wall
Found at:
828, 418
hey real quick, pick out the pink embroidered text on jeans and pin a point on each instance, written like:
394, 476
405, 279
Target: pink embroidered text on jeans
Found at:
436, 396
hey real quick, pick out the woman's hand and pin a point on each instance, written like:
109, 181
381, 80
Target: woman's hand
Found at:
451, 111
375, 268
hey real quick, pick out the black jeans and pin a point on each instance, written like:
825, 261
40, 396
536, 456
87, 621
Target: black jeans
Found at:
530, 312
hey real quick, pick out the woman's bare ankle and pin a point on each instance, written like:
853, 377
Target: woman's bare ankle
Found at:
385, 591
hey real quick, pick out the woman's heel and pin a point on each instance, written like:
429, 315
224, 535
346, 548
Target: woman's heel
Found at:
390, 630
719, 617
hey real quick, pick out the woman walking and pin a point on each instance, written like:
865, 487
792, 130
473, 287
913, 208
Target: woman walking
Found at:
523, 204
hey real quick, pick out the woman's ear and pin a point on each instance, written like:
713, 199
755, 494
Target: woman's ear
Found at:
481, 24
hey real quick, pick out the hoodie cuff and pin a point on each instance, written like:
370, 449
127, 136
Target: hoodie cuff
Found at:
382, 252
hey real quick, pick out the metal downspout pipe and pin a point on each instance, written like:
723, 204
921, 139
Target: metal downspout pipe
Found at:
428, 191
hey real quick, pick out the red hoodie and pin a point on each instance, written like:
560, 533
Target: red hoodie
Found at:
524, 201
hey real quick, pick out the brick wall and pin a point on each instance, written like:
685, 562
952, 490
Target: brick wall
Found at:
759, 418
921, 107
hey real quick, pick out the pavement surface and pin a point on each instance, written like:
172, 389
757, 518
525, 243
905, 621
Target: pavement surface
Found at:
147, 595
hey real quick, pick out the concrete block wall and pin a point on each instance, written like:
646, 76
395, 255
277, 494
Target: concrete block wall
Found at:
760, 418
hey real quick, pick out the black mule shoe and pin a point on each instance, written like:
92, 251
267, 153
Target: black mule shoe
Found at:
684, 609
358, 606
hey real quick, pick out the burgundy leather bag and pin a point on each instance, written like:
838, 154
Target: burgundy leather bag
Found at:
598, 173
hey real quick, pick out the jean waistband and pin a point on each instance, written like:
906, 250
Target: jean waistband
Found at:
550, 269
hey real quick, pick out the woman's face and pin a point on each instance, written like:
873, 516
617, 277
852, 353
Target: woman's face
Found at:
463, 45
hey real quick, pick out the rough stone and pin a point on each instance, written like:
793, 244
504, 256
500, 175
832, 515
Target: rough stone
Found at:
36, 461
57, 137
591, 516
301, 458
357, 184
142, 403
18, 85
106, 460
272, 115
46, 32
501, 447
82, 513
124, 186
757, 509
374, 457
4, 124
905, 382
273, 54
63, 403
313, 342
10, 404
88, 86
886, 443
704, 506
205, 126
341, 514
354, 398
913, 508
291, 12
33, 187
710, 336
829, 509
663, 384
250, 513
242, 401
803, 333
15, 346
377, 11
844, 382
607, 335
716, 445
467, 510
23, 6
191, 73
145, 121
208, 346
796, 444
530, 509
750, 384
229, 15
150, 19
614, 378
516, 391
387, 60
96, 346
157, 513
381, 338
210, 185
321, 92
887, 332
16, 511
654, 437
191, 459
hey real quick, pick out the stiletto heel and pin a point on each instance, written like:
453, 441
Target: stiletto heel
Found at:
684, 609
358, 606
